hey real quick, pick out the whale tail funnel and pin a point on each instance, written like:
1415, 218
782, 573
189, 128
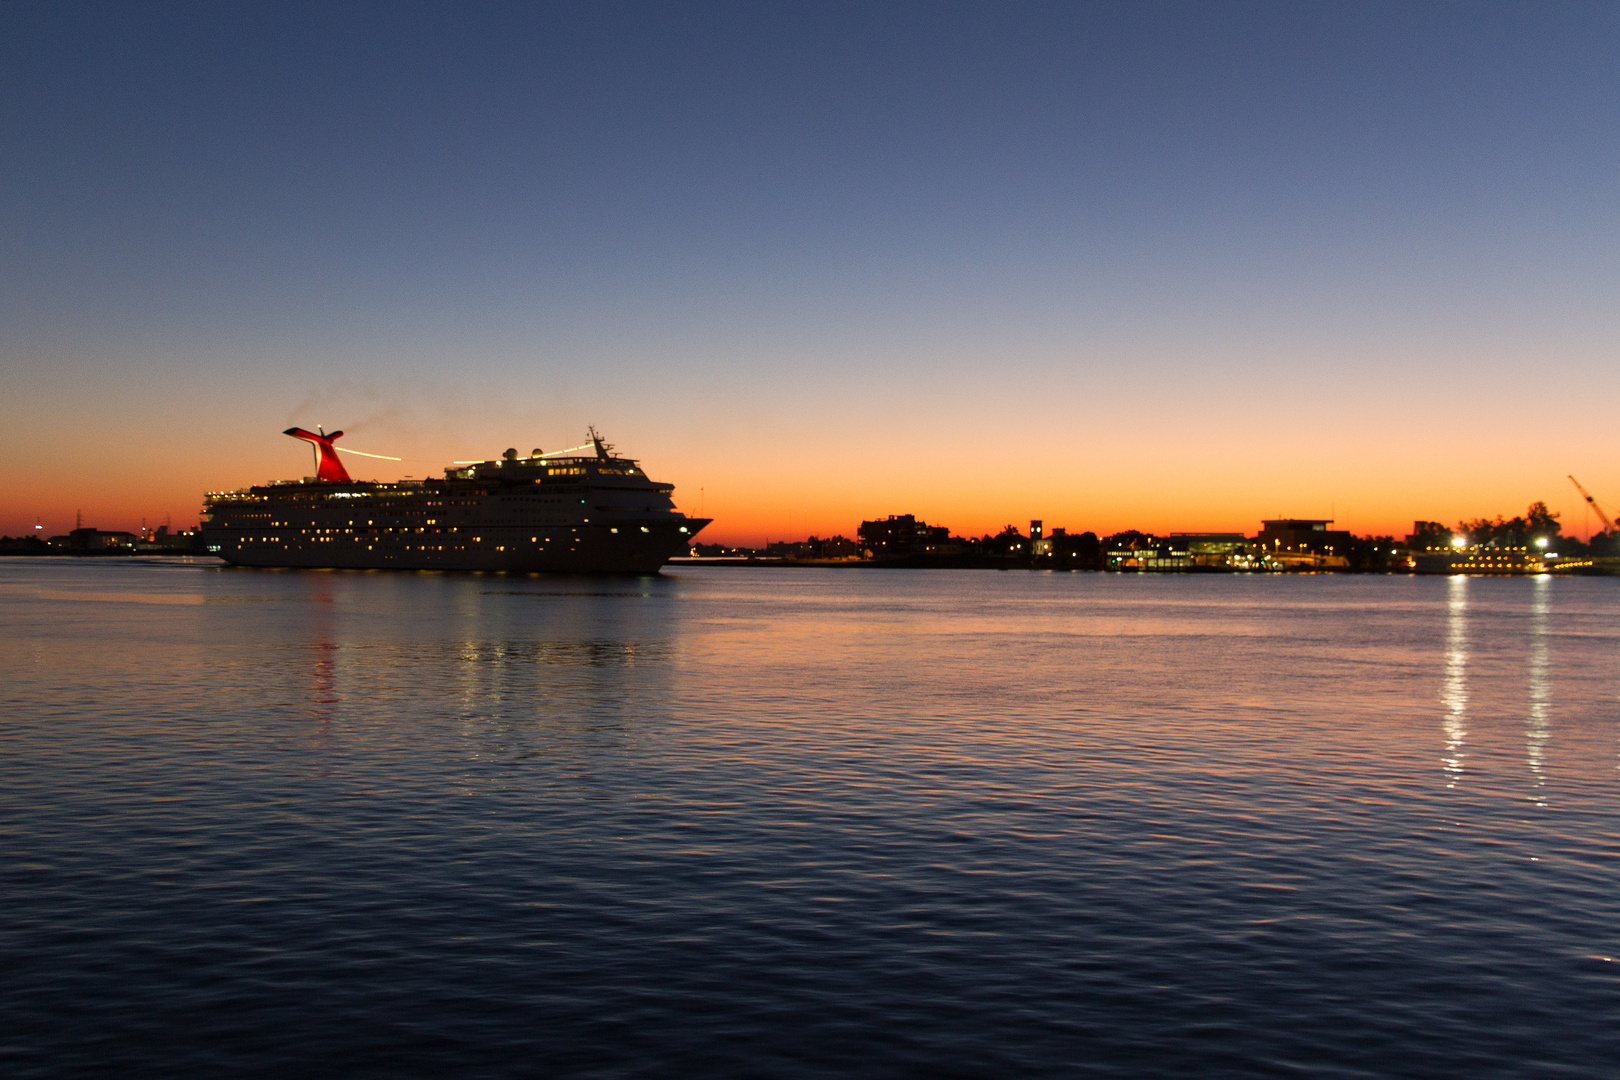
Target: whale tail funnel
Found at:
327, 465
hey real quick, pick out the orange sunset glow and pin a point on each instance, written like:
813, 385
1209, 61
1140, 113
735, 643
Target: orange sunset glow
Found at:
817, 457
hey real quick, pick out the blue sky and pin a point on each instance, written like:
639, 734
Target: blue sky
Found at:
765, 243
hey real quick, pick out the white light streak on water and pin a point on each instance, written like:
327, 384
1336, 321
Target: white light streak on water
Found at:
1454, 691
1537, 728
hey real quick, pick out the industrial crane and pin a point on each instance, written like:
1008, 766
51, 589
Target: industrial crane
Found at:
1608, 526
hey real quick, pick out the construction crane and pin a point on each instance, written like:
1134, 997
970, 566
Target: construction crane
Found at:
1608, 526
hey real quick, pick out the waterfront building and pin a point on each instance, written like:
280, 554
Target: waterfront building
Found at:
95, 540
900, 535
1219, 550
1303, 534
1305, 542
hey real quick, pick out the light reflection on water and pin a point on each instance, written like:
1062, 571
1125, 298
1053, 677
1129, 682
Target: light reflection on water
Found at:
1455, 691
762, 822
1536, 730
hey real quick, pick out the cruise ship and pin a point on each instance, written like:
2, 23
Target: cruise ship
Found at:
580, 510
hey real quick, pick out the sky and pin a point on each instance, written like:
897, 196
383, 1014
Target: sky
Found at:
1167, 266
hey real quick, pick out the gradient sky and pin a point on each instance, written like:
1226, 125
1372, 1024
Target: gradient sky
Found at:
1164, 266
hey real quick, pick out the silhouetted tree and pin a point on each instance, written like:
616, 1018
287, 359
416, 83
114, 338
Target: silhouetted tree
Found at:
1131, 540
1070, 551
1541, 521
1009, 541
1537, 522
1428, 534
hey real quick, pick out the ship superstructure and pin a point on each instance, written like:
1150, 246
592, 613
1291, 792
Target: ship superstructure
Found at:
581, 510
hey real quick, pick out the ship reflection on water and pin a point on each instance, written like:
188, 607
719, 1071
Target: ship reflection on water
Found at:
775, 821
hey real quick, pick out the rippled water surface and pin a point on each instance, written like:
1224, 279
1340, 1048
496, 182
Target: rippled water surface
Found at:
777, 822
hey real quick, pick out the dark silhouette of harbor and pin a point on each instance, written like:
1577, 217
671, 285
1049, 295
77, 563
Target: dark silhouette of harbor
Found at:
93, 542
1531, 543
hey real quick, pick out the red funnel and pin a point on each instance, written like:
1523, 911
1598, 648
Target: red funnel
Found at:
328, 467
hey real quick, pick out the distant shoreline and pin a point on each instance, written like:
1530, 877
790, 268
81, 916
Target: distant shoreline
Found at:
969, 562
918, 562
963, 562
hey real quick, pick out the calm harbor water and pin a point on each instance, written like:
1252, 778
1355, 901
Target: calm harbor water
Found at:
776, 822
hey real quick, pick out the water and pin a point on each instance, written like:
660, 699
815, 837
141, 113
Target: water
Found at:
775, 822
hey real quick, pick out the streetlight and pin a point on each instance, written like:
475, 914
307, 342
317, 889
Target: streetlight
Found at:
1459, 541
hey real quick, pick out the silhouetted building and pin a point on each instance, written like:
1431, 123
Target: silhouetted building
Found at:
1303, 534
1161, 556
1214, 550
24, 545
902, 534
1060, 551
96, 540
1210, 543
1428, 534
